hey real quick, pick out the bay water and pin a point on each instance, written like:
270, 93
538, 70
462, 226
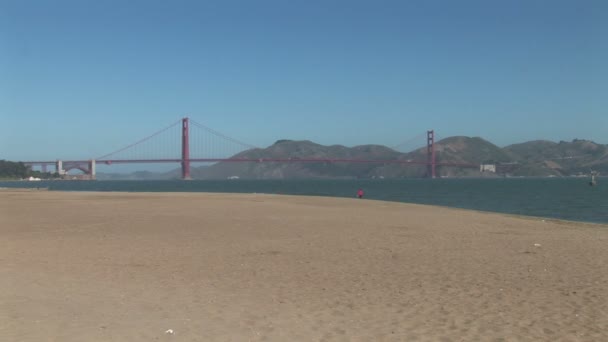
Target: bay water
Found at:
560, 198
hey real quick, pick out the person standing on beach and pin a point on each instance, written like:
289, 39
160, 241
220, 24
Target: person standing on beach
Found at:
360, 193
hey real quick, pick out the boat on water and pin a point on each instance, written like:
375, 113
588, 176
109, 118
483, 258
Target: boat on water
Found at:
593, 182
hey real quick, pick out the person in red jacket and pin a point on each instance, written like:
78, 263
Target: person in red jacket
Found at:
360, 193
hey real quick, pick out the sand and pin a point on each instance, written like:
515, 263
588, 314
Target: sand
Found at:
252, 267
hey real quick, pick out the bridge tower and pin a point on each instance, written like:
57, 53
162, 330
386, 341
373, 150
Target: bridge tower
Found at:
185, 149
59, 167
430, 153
92, 173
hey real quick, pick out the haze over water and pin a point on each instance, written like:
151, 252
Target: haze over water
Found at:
559, 198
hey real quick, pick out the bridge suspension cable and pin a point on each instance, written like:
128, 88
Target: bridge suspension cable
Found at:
139, 141
221, 135
409, 142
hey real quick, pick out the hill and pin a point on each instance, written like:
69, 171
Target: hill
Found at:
138, 175
462, 150
284, 149
542, 158
533, 158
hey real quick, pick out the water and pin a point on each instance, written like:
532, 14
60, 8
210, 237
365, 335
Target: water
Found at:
560, 198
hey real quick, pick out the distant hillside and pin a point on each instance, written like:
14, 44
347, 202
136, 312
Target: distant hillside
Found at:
533, 158
139, 175
542, 158
463, 150
148, 175
284, 149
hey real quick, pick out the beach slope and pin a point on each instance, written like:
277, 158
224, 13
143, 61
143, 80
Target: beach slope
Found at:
251, 267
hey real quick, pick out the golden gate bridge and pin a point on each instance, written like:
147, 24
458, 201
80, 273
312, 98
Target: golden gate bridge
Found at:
213, 147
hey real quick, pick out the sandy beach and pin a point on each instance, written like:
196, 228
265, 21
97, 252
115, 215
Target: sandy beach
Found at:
83, 266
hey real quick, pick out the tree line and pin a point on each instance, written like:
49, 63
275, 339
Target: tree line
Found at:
18, 170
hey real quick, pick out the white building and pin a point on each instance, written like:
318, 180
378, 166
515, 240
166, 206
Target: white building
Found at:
487, 168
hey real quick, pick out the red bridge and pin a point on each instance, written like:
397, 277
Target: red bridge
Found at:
216, 146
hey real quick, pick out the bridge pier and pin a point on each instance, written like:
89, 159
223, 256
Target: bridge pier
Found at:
59, 167
92, 169
87, 167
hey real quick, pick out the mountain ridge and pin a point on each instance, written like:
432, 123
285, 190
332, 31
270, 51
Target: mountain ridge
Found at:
532, 158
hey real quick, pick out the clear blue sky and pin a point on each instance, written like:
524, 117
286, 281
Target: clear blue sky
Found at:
82, 78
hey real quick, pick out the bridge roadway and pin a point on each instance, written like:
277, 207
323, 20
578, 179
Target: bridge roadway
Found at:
88, 166
255, 160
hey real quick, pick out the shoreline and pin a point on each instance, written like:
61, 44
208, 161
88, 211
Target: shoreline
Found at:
532, 217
